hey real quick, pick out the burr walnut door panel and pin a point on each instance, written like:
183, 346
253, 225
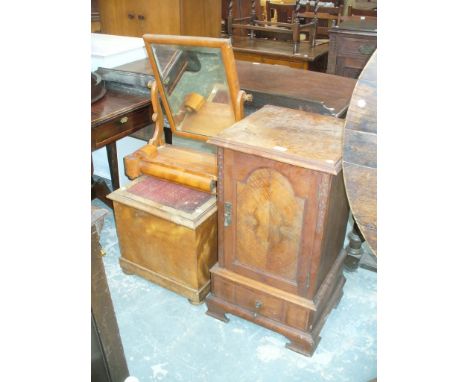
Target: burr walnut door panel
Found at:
272, 218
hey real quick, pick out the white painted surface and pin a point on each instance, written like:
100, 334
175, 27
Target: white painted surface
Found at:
109, 51
125, 146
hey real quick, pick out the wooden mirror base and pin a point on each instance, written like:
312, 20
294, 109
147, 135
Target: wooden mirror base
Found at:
180, 165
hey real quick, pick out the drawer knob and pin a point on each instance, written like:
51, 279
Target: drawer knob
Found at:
258, 305
123, 120
131, 16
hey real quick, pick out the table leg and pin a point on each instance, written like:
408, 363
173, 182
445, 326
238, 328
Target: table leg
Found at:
356, 255
99, 188
354, 249
111, 149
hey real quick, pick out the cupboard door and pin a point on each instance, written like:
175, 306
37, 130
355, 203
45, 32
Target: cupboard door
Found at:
272, 209
200, 18
159, 17
119, 17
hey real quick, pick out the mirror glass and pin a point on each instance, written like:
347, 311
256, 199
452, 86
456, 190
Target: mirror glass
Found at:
195, 87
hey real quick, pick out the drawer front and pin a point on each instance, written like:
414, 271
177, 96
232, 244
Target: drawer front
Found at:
120, 127
259, 303
298, 64
350, 66
357, 47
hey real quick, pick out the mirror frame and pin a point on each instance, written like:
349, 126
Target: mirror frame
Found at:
227, 55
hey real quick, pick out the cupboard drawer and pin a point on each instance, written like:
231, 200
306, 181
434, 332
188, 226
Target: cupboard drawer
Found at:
259, 303
120, 127
348, 46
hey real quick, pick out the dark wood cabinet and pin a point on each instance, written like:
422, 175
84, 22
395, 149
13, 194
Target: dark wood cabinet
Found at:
281, 222
107, 354
178, 17
351, 45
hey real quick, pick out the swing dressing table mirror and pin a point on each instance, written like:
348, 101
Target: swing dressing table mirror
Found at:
201, 102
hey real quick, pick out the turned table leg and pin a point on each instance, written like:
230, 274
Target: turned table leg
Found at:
354, 249
111, 149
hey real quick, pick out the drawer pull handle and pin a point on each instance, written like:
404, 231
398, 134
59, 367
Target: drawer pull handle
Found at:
131, 16
123, 120
258, 305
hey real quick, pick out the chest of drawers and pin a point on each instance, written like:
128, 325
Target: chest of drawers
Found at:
351, 45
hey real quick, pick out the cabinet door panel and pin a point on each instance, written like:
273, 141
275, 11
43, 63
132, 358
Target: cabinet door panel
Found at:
200, 18
269, 223
160, 16
273, 216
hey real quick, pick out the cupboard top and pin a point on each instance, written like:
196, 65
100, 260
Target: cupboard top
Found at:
296, 137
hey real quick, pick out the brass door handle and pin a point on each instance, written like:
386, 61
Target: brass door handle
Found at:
227, 214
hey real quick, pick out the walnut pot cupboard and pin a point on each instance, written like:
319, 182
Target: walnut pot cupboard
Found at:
281, 223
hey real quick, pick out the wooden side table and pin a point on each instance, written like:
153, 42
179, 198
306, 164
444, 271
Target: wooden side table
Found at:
280, 53
115, 116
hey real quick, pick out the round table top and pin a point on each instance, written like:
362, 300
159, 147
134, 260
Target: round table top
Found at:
360, 153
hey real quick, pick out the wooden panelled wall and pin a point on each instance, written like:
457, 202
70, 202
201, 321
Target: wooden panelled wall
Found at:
179, 17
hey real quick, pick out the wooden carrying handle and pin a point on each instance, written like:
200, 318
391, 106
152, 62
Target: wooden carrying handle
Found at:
142, 162
180, 176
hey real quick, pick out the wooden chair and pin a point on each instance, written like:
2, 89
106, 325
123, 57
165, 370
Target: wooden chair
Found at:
239, 11
284, 12
361, 12
327, 17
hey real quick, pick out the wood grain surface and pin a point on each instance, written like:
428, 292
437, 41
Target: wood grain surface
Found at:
182, 165
296, 137
163, 241
114, 104
102, 309
275, 48
333, 91
360, 153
